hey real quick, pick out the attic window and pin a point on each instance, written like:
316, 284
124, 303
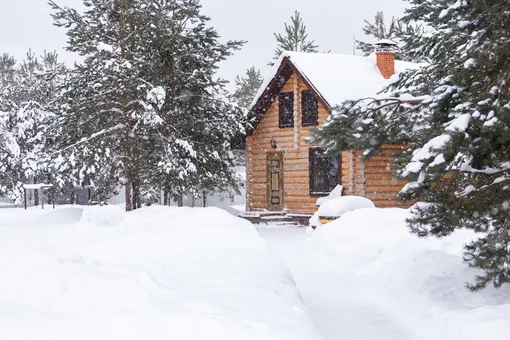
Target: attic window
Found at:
286, 107
309, 109
324, 172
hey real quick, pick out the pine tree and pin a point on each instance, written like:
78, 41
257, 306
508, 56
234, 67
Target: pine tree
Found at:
454, 113
397, 31
27, 94
295, 38
378, 30
145, 109
247, 87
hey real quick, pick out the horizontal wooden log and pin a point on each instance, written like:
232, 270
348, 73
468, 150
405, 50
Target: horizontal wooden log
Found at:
391, 204
381, 175
384, 189
302, 199
296, 192
302, 207
381, 197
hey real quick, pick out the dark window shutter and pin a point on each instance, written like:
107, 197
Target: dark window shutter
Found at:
286, 109
309, 109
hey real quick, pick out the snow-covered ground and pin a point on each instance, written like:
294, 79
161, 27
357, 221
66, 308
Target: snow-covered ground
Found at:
339, 302
156, 273
166, 272
414, 287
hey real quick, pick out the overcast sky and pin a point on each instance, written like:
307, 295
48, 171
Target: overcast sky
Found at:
332, 24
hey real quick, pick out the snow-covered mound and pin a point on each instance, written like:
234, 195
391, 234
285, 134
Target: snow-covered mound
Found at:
161, 273
62, 215
419, 281
102, 216
336, 207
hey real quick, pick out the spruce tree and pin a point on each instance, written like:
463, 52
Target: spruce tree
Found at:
145, 109
295, 38
454, 115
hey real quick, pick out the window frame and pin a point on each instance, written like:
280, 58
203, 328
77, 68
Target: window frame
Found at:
311, 167
315, 117
281, 108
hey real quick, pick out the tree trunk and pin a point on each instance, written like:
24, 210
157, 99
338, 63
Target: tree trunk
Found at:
179, 201
136, 195
165, 197
127, 195
127, 151
36, 197
133, 196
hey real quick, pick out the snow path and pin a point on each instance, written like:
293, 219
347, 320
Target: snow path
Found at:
342, 305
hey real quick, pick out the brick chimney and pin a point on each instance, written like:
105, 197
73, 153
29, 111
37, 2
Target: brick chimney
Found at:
385, 51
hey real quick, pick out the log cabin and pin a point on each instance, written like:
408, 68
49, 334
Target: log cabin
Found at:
284, 172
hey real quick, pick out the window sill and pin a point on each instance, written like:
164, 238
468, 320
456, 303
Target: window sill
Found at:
319, 193
286, 126
309, 124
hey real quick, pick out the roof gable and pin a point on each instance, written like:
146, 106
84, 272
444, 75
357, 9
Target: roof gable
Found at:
333, 78
273, 85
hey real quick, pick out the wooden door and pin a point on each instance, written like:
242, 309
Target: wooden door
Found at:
275, 181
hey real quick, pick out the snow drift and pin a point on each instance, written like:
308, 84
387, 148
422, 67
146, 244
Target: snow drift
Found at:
420, 281
158, 273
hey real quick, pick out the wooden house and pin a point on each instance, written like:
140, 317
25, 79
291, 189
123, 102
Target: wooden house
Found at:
284, 172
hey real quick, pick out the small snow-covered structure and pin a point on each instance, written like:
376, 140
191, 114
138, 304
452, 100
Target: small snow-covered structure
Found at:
38, 189
284, 171
336, 207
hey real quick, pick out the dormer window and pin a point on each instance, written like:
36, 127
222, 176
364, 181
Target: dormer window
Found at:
309, 109
286, 108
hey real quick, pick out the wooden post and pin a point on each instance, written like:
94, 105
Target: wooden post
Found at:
25, 195
53, 194
36, 197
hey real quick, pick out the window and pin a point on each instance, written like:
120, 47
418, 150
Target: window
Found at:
286, 105
324, 172
309, 109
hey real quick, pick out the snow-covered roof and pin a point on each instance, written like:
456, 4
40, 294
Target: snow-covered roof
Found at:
336, 77
385, 42
37, 186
